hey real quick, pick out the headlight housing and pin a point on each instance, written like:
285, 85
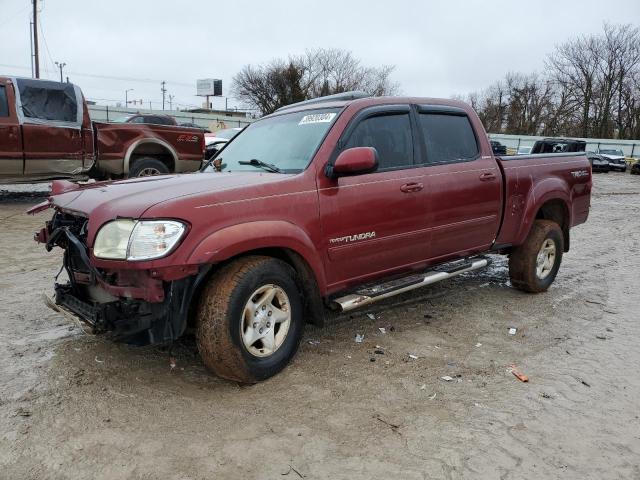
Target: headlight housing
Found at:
126, 239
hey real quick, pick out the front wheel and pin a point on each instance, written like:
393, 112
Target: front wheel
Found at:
533, 266
250, 319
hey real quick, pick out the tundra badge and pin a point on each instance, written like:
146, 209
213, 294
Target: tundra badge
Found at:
353, 238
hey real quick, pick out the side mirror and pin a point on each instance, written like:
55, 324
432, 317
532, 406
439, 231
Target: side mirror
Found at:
354, 161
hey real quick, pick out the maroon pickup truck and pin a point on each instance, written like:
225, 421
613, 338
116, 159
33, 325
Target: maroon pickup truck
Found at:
45, 132
337, 202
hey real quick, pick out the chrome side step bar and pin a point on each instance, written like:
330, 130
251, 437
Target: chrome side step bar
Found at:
374, 293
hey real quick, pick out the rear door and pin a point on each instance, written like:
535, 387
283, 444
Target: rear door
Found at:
375, 223
51, 114
11, 161
463, 184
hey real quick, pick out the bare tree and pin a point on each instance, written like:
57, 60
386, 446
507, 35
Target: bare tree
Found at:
316, 73
591, 89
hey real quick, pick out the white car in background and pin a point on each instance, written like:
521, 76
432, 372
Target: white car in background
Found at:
524, 150
215, 141
616, 159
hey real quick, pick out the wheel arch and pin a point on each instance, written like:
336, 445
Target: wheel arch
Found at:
150, 147
557, 211
277, 239
553, 206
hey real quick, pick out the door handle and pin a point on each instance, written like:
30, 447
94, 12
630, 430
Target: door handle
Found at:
487, 176
411, 187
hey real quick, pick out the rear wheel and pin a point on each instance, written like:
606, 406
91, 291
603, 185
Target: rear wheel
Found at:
250, 319
534, 265
148, 167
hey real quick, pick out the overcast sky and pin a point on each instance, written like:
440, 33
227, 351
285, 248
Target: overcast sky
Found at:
439, 48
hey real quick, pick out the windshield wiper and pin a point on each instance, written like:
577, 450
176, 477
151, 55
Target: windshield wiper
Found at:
254, 162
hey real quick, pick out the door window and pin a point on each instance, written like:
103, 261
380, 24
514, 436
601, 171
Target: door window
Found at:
448, 138
4, 104
390, 135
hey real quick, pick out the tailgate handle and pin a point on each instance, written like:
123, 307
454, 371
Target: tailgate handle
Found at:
411, 187
487, 176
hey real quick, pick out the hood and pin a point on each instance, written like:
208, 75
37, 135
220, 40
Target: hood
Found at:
612, 157
131, 198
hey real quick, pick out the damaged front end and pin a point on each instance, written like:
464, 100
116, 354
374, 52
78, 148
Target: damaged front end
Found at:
138, 306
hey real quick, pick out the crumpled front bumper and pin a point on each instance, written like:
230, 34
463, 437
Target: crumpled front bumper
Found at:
134, 307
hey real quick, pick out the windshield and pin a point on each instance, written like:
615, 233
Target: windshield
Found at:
227, 133
612, 152
285, 141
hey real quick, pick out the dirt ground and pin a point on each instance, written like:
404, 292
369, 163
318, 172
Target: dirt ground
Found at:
78, 406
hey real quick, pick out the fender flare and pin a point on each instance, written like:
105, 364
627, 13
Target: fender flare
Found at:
131, 149
241, 238
543, 192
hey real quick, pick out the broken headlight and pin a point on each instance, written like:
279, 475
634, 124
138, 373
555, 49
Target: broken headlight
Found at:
126, 239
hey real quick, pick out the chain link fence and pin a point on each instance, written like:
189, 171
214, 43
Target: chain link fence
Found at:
514, 143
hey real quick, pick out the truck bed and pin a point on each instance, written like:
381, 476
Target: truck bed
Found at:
561, 176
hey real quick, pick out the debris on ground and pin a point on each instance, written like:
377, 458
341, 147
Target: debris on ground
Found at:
371, 316
393, 426
413, 357
314, 342
520, 376
359, 338
22, 412
382, 330
546, 395
513, 331
594, 302
447, 378
378, 351
423, 387
478, 344
292, 469
98, 360
372, 359
432, 396
601, 337
585, 383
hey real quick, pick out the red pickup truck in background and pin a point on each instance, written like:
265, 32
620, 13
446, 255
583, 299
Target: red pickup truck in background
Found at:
336, 202
45, 132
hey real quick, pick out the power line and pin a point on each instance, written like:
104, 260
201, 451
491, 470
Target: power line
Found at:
13, 16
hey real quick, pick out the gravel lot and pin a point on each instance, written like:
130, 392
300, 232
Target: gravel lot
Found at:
74, 405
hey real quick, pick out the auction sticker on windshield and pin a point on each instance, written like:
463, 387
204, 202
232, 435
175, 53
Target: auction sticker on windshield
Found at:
317, 118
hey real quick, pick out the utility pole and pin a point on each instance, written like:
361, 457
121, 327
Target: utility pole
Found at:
60, 66
171, 97
35, 38
164, 91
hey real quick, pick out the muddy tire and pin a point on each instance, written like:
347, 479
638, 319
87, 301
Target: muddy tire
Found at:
147, 167
534, 265
250, 319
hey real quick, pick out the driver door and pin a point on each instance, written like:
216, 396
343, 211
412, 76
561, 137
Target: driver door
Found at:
374, 223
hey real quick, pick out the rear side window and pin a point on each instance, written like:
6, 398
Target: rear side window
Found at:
4, 104
390, 135
47, 100
448, 138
